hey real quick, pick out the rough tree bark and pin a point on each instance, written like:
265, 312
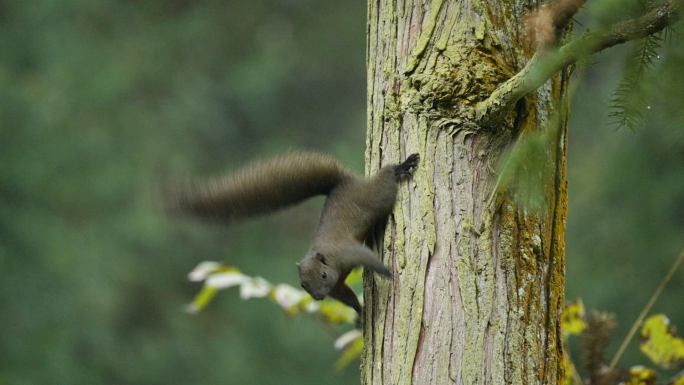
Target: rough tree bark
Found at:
478, 282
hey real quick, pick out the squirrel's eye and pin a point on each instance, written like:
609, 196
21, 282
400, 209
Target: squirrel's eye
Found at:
324, 275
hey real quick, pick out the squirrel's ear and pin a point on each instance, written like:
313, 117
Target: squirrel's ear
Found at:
297, 263
320, 257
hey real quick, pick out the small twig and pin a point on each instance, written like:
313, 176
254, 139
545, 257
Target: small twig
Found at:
644, 312
676, 377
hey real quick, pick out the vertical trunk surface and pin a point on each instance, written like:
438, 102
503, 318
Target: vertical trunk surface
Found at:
478, 283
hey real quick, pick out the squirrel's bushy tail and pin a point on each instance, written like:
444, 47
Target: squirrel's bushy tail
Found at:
259, 188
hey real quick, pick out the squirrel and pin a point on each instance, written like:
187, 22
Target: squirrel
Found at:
354, 205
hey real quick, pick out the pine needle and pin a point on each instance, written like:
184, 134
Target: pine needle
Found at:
630, 99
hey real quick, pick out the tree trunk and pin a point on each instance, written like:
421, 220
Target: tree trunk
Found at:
477, 292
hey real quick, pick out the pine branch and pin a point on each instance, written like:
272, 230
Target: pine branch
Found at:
544, 65
629, 103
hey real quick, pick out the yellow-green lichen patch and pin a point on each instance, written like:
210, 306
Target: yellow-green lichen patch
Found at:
417, 214
425, 37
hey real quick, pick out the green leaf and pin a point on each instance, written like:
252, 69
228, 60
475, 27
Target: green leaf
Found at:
202, 299
352, 348
568, 377
641, 375
335, 312
659, 344
574, 321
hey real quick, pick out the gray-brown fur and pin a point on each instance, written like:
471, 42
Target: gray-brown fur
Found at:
351, 210
259, 188
353, 206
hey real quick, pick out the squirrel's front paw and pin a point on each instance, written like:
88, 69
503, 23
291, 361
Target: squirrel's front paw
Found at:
409, 165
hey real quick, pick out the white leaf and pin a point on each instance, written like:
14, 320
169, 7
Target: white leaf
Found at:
312, 306
287, 296
192, 309
226, 280
255, 288
347, 338
203, 270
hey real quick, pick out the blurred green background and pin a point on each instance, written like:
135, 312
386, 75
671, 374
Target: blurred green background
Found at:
100, 98
625, 223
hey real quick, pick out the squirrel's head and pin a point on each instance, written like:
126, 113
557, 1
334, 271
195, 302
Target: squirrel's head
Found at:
317, 275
